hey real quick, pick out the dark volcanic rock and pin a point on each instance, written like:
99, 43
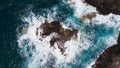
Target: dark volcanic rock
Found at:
106, 6
49, 28
88, 16
62, 36
110, 58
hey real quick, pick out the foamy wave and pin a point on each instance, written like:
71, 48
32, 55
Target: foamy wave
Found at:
38, 52
81, 9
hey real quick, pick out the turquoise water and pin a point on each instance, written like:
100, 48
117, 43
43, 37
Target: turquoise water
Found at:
100, 33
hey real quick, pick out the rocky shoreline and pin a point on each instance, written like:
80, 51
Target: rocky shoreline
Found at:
110, 58
106, 6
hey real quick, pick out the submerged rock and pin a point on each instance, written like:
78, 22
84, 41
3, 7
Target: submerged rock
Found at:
88, 16
106, 6
62, 35
110, 58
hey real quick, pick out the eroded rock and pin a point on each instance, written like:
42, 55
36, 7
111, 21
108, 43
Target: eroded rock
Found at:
88, 16
110, 58
106, 6
62, 35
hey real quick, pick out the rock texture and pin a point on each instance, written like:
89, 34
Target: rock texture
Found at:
62, 35
106, 6
88, 16
110, 58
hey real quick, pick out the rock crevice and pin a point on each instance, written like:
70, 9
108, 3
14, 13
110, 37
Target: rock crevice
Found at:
62, 35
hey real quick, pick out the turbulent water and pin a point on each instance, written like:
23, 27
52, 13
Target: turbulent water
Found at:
94, 35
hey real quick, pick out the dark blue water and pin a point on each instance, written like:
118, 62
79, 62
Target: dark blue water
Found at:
9, 56
10, 12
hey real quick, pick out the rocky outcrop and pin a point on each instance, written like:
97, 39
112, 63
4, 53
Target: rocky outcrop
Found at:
88, 16
62, 35
110, 58
106, 6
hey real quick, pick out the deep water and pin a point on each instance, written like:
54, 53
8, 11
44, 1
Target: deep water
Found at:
9, 56
10, 12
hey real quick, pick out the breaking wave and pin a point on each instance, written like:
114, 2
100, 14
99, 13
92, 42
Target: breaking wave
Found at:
94, 35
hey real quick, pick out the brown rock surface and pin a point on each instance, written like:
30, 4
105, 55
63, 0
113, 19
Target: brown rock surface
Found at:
106, 6
62, 36
110, 58
88, 16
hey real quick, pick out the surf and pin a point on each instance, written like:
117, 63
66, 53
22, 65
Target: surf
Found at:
94, 35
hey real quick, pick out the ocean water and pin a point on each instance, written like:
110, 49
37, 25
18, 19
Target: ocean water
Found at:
21, 48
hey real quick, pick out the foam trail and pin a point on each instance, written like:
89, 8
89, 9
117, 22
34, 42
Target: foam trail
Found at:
38, 51
110, 21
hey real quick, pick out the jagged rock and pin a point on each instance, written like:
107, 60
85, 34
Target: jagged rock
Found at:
62, 36
106, 6
110, 58
88, 16
49, 28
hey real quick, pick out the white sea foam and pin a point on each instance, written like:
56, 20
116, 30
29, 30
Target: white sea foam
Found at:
90, 65
110, 20
80, 7
112, 40
42, 50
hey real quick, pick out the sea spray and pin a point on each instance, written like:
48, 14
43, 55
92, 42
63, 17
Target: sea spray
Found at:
92, 36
